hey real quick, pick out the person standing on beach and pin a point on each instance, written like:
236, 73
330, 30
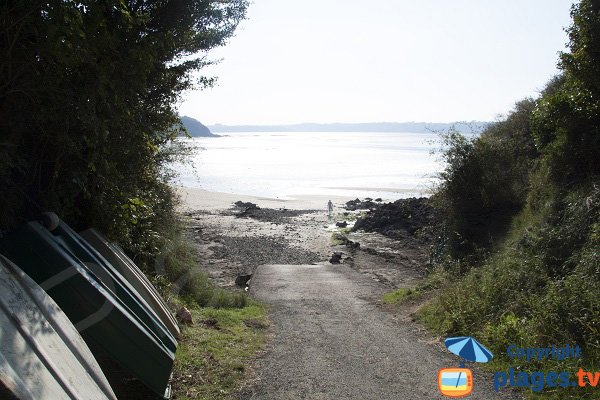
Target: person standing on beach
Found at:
329, 208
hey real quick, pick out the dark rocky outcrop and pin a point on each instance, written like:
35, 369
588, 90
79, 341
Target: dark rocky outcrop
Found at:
352, 245
275, 216
247, 205
357, 204
398, 219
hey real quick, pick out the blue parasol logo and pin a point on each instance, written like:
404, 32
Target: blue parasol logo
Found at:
468, 348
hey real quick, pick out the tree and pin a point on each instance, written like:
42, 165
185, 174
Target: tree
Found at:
566, 121
87, 105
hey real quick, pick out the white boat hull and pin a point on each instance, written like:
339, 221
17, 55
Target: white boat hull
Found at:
42, 356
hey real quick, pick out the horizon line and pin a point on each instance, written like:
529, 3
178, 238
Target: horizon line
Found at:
351, 123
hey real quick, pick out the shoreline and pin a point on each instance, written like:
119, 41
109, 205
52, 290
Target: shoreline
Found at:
194, 199
233, 241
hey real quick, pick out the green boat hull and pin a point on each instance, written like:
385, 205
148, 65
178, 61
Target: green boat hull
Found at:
115, 281
103, 320
113, 254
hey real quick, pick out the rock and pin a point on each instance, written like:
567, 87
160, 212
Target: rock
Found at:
357, 204
247, 205
184, 316
341, 224
336, 257
243, 280
402, 218
352, 245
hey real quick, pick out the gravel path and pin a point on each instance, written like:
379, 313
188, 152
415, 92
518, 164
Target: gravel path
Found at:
330, 341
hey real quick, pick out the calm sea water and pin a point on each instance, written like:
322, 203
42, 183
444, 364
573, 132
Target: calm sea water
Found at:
285, 165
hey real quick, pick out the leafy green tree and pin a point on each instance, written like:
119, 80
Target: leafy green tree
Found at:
87, 107
485, 182
566, 122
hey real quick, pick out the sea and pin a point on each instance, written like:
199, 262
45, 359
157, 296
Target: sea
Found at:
285, 165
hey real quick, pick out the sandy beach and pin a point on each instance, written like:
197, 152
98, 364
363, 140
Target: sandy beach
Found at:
297, 231
200, 199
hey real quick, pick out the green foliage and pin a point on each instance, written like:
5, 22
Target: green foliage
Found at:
566, 121
538, 284
485, 182
87, 97
179, 264
401, 296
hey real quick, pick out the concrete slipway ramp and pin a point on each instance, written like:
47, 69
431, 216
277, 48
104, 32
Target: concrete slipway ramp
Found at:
330, 341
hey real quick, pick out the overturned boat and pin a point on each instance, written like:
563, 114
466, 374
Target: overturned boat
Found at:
87, 295
42, 356
113, 279
119, 260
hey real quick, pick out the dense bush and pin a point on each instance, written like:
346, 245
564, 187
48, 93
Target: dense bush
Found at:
485, 182
528, 191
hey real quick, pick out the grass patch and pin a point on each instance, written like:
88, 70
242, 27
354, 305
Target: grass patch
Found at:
213, 354
338, 239
401, 296
180, 276
228, 327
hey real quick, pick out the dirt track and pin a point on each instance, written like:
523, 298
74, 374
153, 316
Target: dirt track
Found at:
330, 341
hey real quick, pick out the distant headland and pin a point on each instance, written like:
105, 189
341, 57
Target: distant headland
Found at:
195, 128
414, 127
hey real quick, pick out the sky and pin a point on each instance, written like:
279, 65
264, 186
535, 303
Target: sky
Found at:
381, 61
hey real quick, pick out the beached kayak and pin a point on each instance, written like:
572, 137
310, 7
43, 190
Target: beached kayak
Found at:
42, 356
117, 257
104, 321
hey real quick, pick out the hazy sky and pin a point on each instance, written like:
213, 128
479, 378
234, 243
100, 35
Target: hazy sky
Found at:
382, 60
